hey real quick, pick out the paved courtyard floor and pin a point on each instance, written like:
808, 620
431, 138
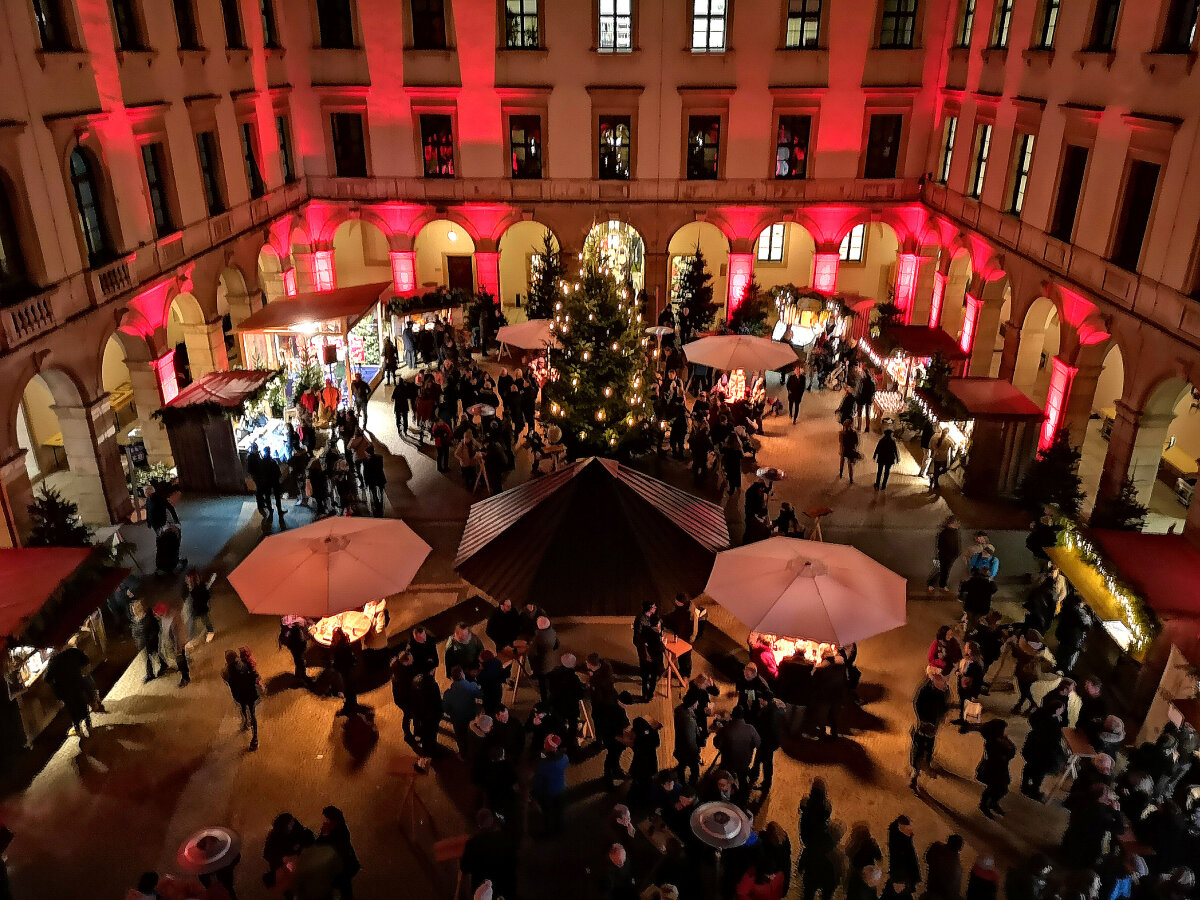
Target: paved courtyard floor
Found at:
166, 761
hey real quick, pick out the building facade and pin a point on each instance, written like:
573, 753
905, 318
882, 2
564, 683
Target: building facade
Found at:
1017, 172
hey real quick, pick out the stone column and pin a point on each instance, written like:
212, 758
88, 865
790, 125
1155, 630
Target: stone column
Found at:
984, 347
16, 494
1012, 344
147, 397
1191, 525
206, 347
1134, 450
923, 296
656, 284
305, 276
90, 442
1079, 403
241, 307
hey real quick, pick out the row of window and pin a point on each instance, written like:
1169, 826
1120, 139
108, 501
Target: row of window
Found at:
773, 239
1177, 36
1136, 204
615, 137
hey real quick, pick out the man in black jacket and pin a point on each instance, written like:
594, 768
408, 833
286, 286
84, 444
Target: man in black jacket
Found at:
886, 455
865, 397
765, 716
796, 383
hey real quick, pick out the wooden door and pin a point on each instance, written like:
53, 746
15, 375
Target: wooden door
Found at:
459, 273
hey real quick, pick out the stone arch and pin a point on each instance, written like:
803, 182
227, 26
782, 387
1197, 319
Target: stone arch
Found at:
623, 245
439, 246
517, 246
799, 246
360, 252
340, 216
1041, 339
449, 214
959, 273
988, 343
270, 278
713, 243
875, 275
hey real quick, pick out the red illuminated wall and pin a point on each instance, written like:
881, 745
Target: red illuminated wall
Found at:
741, 270
324, 278
825, 270
404, 270
906, 283
970, 323
1061, 378
935, 304
487, 271
164, 370
289, 282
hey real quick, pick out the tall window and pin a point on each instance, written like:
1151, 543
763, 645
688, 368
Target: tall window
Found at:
156, 181
335, 24
803, 25
1047, 24
437, 145
1180, 30
253, 175
129, 27
185, 25
270, 29
616, 142
883, 146
704, 145
13, 271
210, 171
983, 145
851, 248
615, 29
1022, 161
1070, 187
948, 132
898, 27
86, 184
1002, 23
525, 146
234, 37
770, 243
349, 146
52, 25
285, 149
791, 146
966, 23
1134, 218
521, 24
708, 25
1104, 25
429, 24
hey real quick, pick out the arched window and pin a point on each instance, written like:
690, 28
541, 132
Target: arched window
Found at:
87, 205
13, 271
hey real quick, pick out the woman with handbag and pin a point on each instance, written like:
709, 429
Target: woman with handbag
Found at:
970, 683
848, 444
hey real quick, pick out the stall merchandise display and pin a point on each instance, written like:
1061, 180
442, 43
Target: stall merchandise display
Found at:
783, 648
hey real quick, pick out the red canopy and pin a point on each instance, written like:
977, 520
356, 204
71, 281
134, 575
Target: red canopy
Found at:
993, 398
30, 577
224, 389
348, 303
921, 341
1161, 567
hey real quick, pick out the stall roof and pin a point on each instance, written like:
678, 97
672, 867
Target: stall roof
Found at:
30, 577
921, 341
993, 398
340, 303
1161, 567
223, 389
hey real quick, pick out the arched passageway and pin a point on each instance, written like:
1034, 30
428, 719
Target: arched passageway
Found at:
1041, 336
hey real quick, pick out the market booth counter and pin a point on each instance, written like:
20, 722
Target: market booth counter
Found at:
212, 421
994, 424
902, 353
51, 594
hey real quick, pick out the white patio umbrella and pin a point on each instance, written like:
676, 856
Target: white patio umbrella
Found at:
329, 567
808, 590
532, 335
739, 351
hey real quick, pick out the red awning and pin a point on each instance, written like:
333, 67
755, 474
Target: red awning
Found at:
224, 389
994, 398
30, 576
921, 341
1161, 567
349, 303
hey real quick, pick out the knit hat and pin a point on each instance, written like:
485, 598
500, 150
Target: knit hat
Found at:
481, 725
552, 743
1103, 763
625, 698
160, 609
568, 660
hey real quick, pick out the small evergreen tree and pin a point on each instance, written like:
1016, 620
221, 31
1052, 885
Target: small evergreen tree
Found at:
600, 397
545, 288
1124, 512
694, 296
1053, 479
56, 522
750, 317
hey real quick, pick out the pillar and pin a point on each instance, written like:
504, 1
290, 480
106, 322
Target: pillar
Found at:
741, 271
205, 344
825, 272
656, 284
241, 307
487, 272
1012, 344
1134, 450
1058, 394
929, 291
986, 325
1030, 341
404, 270
16, 495
324, 277
1079, 402
305, 272
907, 266
90, 442
970, 325
144, 379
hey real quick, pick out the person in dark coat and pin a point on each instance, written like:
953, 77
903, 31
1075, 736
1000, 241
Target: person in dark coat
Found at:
738, 742
344, 662
147, 632
644, 766
1074, 622
984, 881
681, 621
1094, 820
943, 866
932, 699
976, 594
949, 546
903, 864
687, 740
427, 711
1043, 748
374, 478
611, 720
970, 681
862, 851
993, 769
864, 398
294, 638
766, 717
886, 455
335, 835
245, 687
848, 449
66, 675
286, 839
796, 383
490, 855
829, 689
270, 483
565, 692
402, 673
423, 649
647, 641
1029, 879
815, 812
820, 864
504, 625
491, 679
847, 407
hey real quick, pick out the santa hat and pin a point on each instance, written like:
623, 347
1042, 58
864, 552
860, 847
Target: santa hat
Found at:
552, 743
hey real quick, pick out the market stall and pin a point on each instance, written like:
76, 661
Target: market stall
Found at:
426, 311
803, 314
903, 353
338, 330
215, 419
992, 423
51, 596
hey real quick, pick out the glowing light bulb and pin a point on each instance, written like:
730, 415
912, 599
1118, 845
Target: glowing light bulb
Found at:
558, 305
586, 355
599, 415
612, 442
608, 392
614, 346
574, 382
452, 235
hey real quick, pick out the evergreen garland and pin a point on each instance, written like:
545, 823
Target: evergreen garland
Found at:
56, 521
600, 393
545, 286
1053, 478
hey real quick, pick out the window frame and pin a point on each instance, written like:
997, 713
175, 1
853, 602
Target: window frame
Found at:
235, 28
808, 137
212, 173
283, 133
847, 246
804, 17
1022, 165
1002, 19
270, 25
342, 37
415, 44
512, 118
425, 144
188, 34
248, 139
981, 149
1124, 204
1102, 33
964, 25
616, 17
159, 187
1177, 15
128, 26
771, 259
614, 118
709, 18
507, 17
899, 17
14, 263
336, 116
718, 156
98, 239
1046, 24
53, 27
871, 115
946, 150
1051, 230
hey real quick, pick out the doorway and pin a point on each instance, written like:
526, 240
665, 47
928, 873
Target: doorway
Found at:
459, 273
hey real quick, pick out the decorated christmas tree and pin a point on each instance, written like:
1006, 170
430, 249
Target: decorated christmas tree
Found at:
600, 395
1053, 479
545, 284
1124, 512
56, 522
750, 316
694, 296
